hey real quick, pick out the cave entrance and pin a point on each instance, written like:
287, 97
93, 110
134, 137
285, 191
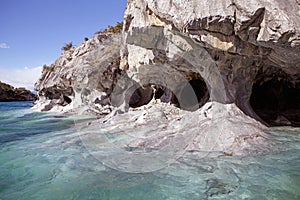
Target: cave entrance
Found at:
67, 99
143, 95
191, 96
277, 102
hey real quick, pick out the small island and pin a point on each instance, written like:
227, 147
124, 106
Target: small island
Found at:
9, 93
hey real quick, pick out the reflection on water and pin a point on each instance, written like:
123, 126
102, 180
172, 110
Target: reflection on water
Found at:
42, 157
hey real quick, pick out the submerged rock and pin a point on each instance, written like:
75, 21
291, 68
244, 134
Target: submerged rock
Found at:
9, 93
155, 135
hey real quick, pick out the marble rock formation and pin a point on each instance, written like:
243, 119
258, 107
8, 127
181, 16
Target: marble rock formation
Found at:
232, 65
82, 78
235, 51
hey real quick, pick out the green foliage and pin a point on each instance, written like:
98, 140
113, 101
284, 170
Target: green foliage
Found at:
49, 68
9, 93
115, 29
112, 29
6, 87
67, 46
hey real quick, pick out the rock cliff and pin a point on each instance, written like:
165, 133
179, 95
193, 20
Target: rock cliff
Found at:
246, 52
82, 78
9, 93
226, 65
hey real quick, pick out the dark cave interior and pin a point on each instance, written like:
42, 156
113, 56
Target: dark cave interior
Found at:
194, 95
141, 96
67, 99
277, 102
191, 97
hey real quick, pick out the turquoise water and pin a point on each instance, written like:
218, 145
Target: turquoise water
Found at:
42, 157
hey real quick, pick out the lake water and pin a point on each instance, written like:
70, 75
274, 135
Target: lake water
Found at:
43, 157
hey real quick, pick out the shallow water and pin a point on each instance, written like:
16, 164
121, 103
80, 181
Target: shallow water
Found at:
43, 157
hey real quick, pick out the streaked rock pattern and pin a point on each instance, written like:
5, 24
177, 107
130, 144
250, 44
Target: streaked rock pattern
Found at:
82, 78
190, 74
232, 44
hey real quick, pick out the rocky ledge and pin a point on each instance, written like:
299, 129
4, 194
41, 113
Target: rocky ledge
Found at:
82, 78
232, 65
9, 93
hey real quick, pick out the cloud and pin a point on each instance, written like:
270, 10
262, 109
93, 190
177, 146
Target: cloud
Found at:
25, 77
4, 46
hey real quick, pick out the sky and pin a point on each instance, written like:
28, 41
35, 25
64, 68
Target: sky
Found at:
32, 32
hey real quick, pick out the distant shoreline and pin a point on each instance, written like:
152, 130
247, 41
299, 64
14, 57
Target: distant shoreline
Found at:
8, 93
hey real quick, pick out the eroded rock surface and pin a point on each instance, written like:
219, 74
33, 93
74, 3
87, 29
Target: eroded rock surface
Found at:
155, 135
235, 46
212, 69
82, 78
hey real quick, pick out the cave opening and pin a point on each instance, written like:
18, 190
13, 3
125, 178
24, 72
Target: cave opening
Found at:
67, 99
52, 94
192, 96
143, 95
277, 101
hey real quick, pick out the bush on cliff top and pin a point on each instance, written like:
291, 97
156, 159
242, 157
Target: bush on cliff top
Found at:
67, 46
112, 29
48, 68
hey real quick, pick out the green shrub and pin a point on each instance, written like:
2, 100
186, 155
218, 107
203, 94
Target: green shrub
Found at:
112, 29
115, 29
49, 68
67, 46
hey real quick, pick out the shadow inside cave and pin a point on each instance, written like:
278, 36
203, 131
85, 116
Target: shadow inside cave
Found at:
277, 102
191, 96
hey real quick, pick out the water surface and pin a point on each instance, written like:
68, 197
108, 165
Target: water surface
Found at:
43, 157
